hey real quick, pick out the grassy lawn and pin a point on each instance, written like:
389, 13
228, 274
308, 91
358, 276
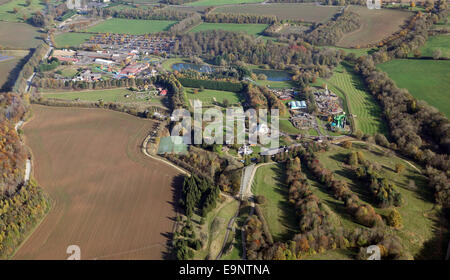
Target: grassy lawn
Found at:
7, 10
108, 95
221, 2
216, 234
416, 212
368, 113
131, 26
441, 42
167, 64
427, 80
252, 29
71, 39
275, 84
279, 214
288, 127
210, 97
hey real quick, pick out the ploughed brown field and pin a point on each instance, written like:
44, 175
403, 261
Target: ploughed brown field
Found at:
375, 26
107, 197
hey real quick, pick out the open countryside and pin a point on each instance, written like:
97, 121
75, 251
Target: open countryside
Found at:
107, 191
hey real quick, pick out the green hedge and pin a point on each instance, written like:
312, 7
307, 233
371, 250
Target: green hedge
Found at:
210, 84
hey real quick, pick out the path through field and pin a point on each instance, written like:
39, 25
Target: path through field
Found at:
107, 196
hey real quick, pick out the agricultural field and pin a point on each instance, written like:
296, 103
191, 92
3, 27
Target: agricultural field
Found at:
438, 42
210, 97
29, 35
305, 12
375, 26
426, 80
252, 29
108, 95
7, 12
221, 2
104, 190
280, 216
8, 62
418, 209
351, 89
131, 26
71, 39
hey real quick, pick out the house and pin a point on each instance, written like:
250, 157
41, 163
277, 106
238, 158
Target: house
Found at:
163, 92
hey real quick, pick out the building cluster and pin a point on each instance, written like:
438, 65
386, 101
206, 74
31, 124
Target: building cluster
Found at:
285, 94
303, 121
142, 44
327, 102
95, 65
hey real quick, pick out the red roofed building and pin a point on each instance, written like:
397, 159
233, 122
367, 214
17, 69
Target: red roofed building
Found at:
163, 92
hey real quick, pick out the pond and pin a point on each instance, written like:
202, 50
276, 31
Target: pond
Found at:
274, 75
191, 66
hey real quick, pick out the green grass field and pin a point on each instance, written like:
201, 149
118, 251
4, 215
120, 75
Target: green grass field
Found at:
279, 214
7, 10
210, 97
441, 42
252, 29
368, 113
416, 212
131, 26
427, 80
71, 39
108, 95
6, 66
29, 35
222, 214
221, 2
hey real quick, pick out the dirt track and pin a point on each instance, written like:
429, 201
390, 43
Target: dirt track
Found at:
108, 198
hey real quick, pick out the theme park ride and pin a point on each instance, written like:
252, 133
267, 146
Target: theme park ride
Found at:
337, 121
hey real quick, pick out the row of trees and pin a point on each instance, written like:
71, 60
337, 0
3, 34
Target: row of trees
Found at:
239, 18
384, 192
362, 213
212, 84
331, 32
147, 12
28, 69
186, 24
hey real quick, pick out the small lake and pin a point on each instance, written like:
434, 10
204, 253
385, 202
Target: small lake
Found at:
191, 66
274, 75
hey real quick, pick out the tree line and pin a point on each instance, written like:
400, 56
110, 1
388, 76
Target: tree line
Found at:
331, 32
186, 24
147, 13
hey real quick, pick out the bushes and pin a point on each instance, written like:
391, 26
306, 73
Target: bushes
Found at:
394, 219
382, 190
